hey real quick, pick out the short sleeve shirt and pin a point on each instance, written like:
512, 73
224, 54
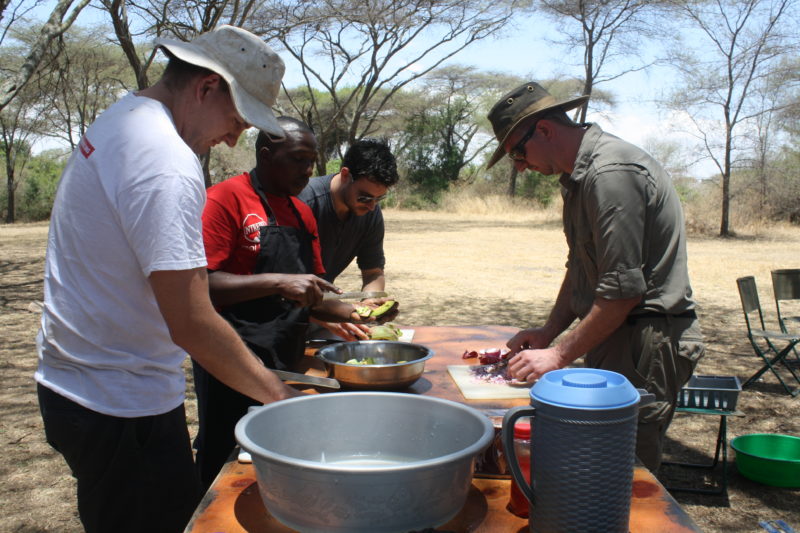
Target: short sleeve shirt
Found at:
232, 221
128, 204
624, 226
343, 240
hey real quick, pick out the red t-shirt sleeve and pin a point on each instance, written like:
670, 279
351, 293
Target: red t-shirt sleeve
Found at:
220, 230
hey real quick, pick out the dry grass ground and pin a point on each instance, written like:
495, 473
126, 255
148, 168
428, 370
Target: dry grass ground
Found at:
483, 265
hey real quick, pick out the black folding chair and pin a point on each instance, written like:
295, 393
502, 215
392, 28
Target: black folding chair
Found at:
763, 341
786, 288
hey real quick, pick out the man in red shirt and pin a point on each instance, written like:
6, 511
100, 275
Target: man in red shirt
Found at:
264, 261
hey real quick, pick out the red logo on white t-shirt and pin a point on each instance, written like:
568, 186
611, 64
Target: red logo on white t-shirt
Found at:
251, 227
85, 147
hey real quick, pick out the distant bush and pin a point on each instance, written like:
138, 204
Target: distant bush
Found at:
36, 187
751, 212
227, 161
413, 198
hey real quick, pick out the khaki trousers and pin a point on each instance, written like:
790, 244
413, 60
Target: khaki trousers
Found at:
657, 354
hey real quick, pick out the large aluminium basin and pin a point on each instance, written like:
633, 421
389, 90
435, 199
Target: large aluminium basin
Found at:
364, 461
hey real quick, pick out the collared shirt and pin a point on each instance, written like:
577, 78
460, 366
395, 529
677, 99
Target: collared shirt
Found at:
359, 237
624, 226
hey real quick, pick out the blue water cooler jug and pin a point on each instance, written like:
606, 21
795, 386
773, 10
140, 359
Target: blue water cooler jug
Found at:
583, 440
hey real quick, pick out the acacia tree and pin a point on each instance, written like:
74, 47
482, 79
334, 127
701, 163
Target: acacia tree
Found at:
775, 188
442, 126
741, 42
135, 21
15, 148
376, 47
610, 30
85, 78
300, 101
21, 119
19, 124
61, 18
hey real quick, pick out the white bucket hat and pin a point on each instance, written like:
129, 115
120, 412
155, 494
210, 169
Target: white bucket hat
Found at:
251, 68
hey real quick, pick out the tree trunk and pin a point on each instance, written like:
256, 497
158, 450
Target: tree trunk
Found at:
119, 18
322, 163
10, 190
724, 226
512, 183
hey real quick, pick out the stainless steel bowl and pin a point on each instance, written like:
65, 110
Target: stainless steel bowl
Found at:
364, 461
386, 374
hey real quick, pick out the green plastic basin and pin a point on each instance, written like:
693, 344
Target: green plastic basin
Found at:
767, 458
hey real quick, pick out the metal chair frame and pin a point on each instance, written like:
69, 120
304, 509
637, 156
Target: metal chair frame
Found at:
786, 288
720, 450
771, 355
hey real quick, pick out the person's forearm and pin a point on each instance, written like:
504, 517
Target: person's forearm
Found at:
228, 289
195, 326
220, 350
561, 315
603, 319
373, 280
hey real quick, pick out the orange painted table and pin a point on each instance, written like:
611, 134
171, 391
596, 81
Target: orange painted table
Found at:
233, 504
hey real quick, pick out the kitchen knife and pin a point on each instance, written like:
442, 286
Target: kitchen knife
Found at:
329, 383
359, 295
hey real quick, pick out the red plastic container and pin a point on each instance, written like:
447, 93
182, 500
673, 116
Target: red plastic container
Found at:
518, 503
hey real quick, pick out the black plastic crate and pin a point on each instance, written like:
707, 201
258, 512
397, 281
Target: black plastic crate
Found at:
710, 392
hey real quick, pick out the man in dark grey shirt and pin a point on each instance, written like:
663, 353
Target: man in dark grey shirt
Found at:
349, 220
627, 278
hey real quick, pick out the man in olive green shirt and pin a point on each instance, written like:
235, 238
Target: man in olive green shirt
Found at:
627, 278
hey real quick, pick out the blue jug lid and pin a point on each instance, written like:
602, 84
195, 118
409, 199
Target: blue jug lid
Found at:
585, 388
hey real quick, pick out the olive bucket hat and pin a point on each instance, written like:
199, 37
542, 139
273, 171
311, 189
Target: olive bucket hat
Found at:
251, 68
523, 102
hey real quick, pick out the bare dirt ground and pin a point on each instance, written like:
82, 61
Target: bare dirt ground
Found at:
446, 270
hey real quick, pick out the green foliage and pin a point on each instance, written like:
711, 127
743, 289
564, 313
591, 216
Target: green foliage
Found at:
529, 185
783, 191
333, 166
538, 187
39, 187
686, 189
227, 162
317, 109
432, 154
417, 200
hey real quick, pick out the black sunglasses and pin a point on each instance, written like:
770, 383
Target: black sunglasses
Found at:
518, 152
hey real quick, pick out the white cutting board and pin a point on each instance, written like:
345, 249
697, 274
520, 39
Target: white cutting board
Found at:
473, 389
406, 335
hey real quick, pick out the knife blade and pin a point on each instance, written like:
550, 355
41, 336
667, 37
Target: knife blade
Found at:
358, 295
329, 383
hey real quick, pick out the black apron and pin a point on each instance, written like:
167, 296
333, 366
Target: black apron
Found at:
274, 328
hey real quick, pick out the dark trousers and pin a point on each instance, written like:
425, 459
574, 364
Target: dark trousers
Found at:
134, 474
219, 408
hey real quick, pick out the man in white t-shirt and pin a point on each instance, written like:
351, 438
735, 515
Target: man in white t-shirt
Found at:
125, 286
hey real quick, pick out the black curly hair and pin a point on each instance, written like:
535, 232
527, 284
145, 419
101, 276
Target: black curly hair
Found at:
371, 159
288, 124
